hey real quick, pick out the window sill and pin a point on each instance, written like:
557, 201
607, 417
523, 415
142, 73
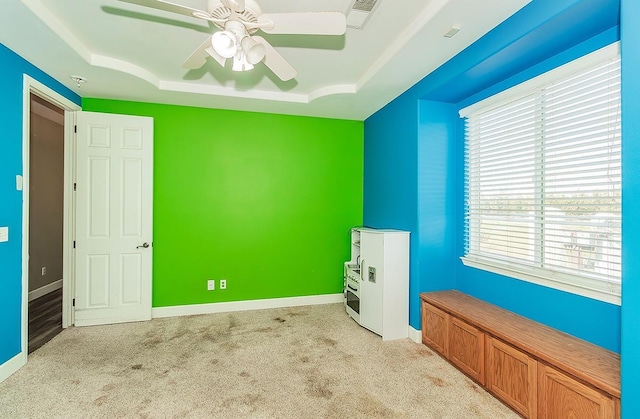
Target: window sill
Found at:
559, 282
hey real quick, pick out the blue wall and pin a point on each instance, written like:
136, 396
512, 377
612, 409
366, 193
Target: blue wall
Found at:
630, 34
12, 69
389, 182
436, 211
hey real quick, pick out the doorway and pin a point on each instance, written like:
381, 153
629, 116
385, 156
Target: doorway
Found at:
49, 274
46, 210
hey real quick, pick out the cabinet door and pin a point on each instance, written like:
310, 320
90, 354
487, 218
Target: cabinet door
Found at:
466, 349
511, 375
435, 328
560, 396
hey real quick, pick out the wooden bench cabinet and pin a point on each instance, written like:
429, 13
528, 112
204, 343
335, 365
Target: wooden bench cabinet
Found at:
538, 371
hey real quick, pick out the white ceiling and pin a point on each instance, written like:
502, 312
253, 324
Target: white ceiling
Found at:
135, 53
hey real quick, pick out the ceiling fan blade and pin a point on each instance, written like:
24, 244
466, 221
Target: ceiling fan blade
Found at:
199, 56
306, 23
213, 54
169, 7
276, 62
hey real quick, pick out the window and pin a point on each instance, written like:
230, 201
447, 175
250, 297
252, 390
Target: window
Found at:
543, 179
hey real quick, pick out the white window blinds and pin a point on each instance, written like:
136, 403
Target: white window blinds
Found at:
543, 179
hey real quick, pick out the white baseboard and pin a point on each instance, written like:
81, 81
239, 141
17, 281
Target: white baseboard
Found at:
415, 335
39, 292
189, 310
12, 365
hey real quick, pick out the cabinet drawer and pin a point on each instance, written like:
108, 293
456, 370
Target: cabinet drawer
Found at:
466, 349
435, 328
511, 375
560, 396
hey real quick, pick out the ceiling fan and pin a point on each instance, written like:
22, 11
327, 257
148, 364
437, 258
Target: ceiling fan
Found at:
238, 21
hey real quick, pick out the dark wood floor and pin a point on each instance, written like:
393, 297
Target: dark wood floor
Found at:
45, 319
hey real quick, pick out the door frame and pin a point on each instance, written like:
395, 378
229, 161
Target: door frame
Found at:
31, 85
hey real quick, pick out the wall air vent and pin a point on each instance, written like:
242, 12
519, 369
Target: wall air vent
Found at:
360, 11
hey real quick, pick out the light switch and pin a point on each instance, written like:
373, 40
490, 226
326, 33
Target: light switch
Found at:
4, 234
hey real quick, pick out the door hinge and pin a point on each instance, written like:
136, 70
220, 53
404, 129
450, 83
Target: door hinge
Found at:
75, 186
73, 303
75, 129
74, 244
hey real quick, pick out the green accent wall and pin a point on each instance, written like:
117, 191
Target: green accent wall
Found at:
264, 201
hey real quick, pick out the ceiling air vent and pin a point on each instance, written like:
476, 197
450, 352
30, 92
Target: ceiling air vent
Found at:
360, 11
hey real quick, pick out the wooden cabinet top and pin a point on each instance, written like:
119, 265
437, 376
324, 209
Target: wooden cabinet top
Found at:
585, 361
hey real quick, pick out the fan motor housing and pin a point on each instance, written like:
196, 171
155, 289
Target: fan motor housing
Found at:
219, 11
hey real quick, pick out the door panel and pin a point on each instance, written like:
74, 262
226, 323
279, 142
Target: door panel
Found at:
466, 348
98, 205
114, 218
98, 276
131, 194
560, 396
435, 328
512, 375
131, 279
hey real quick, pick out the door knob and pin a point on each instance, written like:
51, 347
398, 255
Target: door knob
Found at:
144, 245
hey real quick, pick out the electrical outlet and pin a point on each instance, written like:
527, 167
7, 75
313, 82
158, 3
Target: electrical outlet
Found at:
223, 284
211, 284
4, 234
44, 270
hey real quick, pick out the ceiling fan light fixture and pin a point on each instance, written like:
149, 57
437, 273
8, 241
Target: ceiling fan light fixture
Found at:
237, 21
254, 51
224, 43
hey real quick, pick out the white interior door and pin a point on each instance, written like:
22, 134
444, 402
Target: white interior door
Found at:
113, 218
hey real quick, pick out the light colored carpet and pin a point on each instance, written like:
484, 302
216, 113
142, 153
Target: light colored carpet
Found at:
303, 362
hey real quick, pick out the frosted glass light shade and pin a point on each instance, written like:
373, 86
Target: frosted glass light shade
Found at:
224, 42
253, 51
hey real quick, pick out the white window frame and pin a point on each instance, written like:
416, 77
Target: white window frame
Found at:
575, 284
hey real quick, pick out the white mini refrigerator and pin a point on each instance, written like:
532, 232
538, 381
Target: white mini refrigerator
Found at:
376, 281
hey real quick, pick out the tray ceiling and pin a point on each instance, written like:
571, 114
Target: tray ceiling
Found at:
135, 53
